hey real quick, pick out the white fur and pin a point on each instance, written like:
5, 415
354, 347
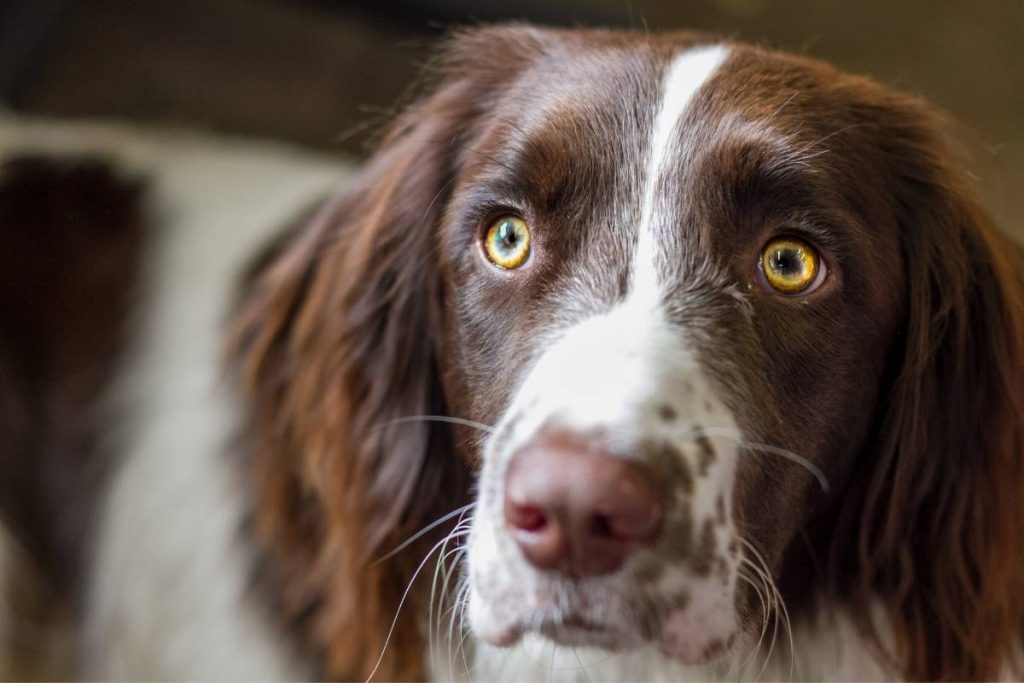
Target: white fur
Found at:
685, 76
168, 595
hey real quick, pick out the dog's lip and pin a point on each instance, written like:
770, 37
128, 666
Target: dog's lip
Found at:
565, 629
575, 629
577, 623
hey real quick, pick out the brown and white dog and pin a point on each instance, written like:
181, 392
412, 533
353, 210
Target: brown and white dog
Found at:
626, 357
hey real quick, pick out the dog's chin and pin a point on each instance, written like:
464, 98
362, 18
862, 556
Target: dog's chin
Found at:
570, 632
685, 636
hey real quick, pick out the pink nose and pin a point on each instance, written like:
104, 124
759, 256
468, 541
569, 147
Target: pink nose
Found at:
575, 509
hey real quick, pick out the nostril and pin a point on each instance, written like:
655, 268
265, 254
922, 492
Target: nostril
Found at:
525, 517
601, 526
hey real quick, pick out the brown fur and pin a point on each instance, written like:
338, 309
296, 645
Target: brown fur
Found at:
327, 362
349, 326
70, 245
71, 233
934, 520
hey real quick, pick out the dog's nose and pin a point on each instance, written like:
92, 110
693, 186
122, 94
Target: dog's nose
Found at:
576, 509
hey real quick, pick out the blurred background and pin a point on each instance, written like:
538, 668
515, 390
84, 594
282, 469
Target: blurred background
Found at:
326, 73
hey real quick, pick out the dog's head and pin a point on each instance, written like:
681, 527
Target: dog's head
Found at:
700, 314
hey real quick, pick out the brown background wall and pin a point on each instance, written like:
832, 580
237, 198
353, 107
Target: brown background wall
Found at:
324, 73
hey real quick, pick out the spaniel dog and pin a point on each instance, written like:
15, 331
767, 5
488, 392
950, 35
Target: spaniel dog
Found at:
625, 357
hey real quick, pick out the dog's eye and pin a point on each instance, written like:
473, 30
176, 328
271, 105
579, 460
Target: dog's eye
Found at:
507, 242
791, 266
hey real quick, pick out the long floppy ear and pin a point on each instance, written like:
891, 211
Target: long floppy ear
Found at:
938, 526
336, 340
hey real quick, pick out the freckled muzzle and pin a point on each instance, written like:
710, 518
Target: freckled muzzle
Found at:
595, 547
604, 515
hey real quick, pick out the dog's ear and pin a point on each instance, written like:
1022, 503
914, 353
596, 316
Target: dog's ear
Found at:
938, 526
335, 342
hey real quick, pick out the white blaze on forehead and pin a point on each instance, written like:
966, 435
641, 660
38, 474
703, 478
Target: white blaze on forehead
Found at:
684, 77
604, 369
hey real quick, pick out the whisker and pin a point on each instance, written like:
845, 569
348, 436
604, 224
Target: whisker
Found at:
772, 597
461, 530
764, 620
448, 572
772, 608
401, 603
456, 555
780, 603
463, 600
583, 669
458, 613
767, 448
438, 418
425, 530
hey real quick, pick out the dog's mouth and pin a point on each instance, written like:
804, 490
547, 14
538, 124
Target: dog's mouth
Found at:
581, 631
696, 626
693, 631
562, 616
569, 629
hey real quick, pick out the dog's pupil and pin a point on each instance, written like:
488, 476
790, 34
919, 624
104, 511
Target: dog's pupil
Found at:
786, 262
507, 235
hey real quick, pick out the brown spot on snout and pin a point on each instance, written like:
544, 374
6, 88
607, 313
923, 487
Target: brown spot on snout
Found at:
679, 534
705, 454
718, 646
679, 602
649, 571
670, 466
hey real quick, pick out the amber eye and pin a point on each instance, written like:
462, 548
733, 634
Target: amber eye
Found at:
507, 242
791, 266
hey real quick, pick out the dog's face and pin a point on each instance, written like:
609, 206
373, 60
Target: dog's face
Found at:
667, 272
711, 310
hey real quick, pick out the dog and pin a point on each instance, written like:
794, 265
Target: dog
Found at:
625, 357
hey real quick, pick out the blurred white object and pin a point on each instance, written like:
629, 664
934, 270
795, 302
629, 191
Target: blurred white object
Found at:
166, 595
